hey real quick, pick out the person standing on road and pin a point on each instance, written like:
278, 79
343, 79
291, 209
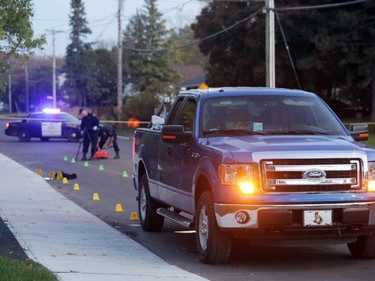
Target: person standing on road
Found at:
89, 131
108, 136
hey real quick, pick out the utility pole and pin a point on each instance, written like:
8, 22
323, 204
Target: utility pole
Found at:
27, 86
10, 89
270, 40
119, 62
53, 67
270, 44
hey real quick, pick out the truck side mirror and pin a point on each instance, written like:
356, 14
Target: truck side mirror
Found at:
175, 133
359, 132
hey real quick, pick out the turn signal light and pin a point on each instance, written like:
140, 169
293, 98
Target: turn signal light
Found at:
371, 186
371, 177
247, 188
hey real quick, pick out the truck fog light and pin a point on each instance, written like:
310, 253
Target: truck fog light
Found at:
242, 217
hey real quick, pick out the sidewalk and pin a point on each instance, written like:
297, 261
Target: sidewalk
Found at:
69, 241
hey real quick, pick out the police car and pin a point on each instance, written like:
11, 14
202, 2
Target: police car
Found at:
50, 123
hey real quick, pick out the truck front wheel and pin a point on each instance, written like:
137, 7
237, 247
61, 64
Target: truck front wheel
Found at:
214, 246
364, 247
149, 219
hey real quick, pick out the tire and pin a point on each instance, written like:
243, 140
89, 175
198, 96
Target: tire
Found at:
213, 245
364, 247
72, 136
149, 219
23, 135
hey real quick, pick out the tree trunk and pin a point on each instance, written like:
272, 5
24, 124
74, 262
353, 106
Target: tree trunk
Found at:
373, 91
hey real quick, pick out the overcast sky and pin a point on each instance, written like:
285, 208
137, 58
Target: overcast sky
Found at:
102, 19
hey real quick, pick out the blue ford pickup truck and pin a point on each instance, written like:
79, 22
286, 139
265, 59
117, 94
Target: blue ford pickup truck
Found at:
256, 163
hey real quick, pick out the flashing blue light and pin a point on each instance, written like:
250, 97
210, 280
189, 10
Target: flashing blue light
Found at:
51, 110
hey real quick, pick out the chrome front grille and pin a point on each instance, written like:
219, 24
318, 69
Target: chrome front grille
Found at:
311, 175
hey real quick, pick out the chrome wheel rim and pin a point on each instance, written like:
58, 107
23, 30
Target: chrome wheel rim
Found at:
203, 228
142, 203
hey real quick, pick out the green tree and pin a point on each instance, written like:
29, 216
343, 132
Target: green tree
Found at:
190, 54
77, 68
16, 33
147, 69
101, 76
236, 57
330, 47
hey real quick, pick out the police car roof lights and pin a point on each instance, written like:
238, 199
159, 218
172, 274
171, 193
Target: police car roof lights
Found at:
51, 110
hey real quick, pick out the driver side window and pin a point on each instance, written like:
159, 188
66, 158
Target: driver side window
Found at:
188, 116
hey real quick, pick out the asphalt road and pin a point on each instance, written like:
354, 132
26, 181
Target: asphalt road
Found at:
173, 243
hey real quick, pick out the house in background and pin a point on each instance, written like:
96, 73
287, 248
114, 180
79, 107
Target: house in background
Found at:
193, 76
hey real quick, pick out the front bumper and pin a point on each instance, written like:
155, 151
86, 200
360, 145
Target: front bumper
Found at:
291, 216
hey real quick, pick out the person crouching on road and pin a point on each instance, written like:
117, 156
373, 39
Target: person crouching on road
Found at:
108, 136
89, 131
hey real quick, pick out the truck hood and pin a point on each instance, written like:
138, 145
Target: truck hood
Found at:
286, 146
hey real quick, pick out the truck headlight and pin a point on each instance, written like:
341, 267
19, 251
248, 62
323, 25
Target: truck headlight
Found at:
371, 177
240, 175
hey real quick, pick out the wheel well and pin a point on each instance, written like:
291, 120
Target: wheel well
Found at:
202, 185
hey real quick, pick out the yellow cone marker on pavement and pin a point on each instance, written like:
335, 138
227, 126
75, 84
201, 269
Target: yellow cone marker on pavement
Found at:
65, 158
39, 172
134, 216
119, 208
59, 176
65, 181
95, 197
52, 175
101, 168
73, 160
124, 174
76, 186
86, 164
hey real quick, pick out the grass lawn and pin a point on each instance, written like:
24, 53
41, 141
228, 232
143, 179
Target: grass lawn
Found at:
22, 270
370, 141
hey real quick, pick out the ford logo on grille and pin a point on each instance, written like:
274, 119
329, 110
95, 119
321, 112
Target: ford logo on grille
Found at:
314, 174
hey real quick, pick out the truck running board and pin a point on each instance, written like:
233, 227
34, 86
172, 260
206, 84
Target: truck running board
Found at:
173, 216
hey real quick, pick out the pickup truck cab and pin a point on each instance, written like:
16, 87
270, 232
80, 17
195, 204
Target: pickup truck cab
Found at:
256, 163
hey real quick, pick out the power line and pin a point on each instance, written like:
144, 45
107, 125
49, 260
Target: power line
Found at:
199, 40
325, 6
288, 51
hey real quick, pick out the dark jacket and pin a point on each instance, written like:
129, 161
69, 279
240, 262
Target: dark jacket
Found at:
107, 130
89, 122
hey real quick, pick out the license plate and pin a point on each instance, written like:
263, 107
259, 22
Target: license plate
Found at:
317, 218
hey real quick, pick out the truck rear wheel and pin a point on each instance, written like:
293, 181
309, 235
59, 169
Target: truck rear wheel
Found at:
214, 246
364, 247
149, 219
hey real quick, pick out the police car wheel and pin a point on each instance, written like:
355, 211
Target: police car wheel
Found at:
23, 135
72, 135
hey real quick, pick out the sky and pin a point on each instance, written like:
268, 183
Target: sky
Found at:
102, 19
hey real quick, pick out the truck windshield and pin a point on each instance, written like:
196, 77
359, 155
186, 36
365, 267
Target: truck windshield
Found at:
268, 114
